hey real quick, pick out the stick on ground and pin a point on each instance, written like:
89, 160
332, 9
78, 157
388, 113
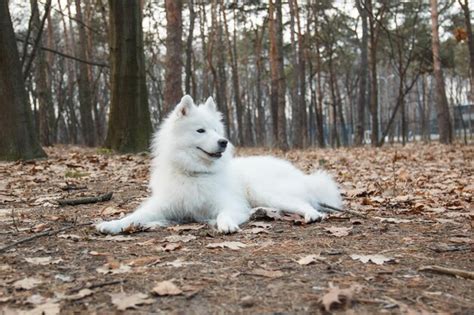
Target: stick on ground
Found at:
84, 200
46, 233
449, 271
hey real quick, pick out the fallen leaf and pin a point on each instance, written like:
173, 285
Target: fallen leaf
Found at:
186, 227
43, 260
392, 220
36, 299
111, 211
94, 253
266, 273
169, 247
164, 288
178, 263
110, 268
336, 297
73, 237
79, 295
48, 308
124, 301
339, 231
260, 224
256, 230
230, 245
27, 283
307, 260
180, 238
39, 227
114, 238
376, 259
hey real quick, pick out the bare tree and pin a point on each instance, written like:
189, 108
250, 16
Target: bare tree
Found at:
189, 49
129, 122
444, 119
174, 50
18, 138
470, 41
363, 74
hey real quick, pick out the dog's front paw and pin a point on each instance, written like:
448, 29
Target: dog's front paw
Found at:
109, 227
313, 216
226, 225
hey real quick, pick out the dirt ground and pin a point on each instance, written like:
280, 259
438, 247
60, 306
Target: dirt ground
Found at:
410, 208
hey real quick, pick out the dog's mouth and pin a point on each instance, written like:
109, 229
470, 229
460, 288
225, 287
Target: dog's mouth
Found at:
214, 155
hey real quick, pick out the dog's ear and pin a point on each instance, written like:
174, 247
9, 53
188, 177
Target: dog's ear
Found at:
185, 106
211, 104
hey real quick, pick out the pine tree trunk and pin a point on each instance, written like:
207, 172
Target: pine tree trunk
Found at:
18, 138
374, 108
174, 49
129, 122
444, 119
84, 82
189, 49
363, 73
470, 42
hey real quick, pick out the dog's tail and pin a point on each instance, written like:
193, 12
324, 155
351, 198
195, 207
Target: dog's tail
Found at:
324, 189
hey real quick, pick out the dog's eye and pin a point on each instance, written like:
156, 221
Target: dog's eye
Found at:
201, 130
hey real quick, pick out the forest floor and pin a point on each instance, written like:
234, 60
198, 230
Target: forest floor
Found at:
411, 208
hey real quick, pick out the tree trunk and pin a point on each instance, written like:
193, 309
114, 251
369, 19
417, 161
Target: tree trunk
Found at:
129, 121
43, 88
260, 121
18, 139
278, 85
444, 119
189, 49
374, 112
363, 73
174, 50
470, 42
84, 83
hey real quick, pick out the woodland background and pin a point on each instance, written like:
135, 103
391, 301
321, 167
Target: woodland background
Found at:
286, 74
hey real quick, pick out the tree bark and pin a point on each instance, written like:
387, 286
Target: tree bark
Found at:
189, 49
374, 112
174, 50
444, 119
363, 73
43, 88
18, 139
470, 42
129, 122
84, 83
278, 85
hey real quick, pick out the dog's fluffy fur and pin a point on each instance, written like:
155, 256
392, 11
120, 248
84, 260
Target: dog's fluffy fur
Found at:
195, 178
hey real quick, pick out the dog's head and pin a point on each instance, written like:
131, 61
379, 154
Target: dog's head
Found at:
194, 136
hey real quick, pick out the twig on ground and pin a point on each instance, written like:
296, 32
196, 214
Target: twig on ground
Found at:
46, 233
97, 285
449, 271
84, 200
329, 208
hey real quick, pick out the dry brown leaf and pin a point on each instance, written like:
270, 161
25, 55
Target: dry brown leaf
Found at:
256, 230
112, 268
110, 211
376, 259
186, 227
266, 273
336, 297
169, 247
79, 295
392, 220
339, 231
230, 245
48, 308
27, 283
307, 260
124, 301
164, 288
180, 238
39, 227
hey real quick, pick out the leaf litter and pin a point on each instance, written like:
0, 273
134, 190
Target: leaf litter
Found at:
416, 206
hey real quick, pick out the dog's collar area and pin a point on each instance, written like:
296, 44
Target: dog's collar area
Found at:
213, 155
197, 173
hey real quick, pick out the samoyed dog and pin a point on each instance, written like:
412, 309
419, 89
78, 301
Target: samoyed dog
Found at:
195, 178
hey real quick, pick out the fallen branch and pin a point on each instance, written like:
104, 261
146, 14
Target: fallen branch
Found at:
449, 271
328, 208
46, 233
85, 200
97, 285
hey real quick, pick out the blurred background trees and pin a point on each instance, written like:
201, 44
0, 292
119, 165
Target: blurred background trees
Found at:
288, 74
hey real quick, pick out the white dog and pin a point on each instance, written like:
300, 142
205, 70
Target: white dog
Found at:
194, 178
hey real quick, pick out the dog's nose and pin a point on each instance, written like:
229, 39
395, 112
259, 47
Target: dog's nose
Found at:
222, 143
